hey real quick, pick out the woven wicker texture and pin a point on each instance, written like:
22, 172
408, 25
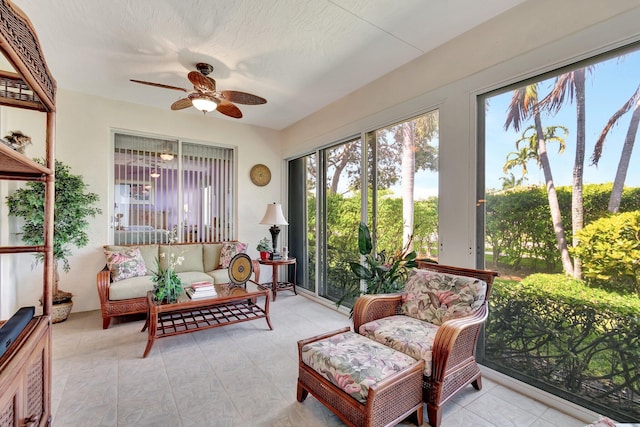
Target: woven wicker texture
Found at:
16, 29
35, 385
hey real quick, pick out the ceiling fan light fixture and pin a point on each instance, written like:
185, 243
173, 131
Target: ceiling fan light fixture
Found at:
154, 174
166, 156
203, 103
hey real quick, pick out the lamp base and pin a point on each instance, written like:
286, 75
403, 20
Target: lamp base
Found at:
275, 230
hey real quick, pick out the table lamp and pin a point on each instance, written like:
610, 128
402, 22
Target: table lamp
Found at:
274, 216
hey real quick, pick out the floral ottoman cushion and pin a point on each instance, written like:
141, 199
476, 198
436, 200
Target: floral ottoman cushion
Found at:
403, 333
353, 363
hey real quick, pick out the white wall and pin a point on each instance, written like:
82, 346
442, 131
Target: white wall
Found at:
83, 141
536, 36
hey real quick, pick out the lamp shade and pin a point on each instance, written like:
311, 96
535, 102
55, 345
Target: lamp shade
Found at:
274, 215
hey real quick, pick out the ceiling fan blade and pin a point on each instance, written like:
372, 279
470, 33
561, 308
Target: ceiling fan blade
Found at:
243, 97
159, 85
181, 104
201, 82
228, 109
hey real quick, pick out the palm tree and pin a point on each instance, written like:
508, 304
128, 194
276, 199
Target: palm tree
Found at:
530, 151
571, 85
523, 105
511, 181
627, 148
408, 179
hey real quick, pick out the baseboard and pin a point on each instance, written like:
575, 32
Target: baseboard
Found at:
551, 400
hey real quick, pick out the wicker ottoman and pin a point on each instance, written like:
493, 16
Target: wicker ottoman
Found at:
363, 382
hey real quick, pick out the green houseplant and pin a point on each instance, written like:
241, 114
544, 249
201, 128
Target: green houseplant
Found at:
73, 206
264, 247
382, 273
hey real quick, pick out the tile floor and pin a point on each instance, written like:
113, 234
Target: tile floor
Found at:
237, 375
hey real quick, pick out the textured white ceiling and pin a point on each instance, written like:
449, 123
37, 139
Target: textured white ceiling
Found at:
298, 54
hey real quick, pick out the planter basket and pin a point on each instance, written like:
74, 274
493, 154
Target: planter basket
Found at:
60, 312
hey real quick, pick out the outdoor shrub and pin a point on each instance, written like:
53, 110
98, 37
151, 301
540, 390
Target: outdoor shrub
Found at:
609, 250
518, 227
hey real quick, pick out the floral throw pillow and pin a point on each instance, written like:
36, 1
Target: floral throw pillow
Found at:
438, 297
125, 263
229, 250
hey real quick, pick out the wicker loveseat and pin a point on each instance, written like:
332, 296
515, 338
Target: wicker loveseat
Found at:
437, 318
124, 281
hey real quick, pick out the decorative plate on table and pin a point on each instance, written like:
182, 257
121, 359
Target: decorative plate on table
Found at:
260, 175
240, 269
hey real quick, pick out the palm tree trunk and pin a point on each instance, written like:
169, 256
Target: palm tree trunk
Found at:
577, 204
623, 164
552, 195
408, 181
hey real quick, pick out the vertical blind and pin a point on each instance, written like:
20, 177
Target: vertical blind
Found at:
172, 190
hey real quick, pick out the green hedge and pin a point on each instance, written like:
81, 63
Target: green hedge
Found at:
518, 222
575, 341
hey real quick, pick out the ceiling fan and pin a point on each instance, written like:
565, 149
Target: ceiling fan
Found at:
205, 97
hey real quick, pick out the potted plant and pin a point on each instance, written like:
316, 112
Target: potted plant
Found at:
167, 286
264, 247
383, 274
73, 206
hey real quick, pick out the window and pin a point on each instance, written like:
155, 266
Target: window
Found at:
399, 201
557, 152
170, 186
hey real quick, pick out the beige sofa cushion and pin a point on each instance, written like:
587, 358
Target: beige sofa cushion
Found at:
135, 287
191, 253
220, 275
211, 254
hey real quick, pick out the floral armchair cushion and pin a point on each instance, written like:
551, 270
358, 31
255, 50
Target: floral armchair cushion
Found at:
438, 297
354, 363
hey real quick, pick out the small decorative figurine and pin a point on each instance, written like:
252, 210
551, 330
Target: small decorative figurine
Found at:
17, 140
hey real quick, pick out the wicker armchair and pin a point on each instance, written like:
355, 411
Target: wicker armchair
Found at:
453, 365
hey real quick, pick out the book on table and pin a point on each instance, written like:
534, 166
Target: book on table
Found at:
202, 285
201, 292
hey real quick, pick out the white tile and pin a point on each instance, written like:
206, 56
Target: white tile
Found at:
236, 375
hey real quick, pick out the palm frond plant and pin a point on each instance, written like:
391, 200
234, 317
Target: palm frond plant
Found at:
382, 273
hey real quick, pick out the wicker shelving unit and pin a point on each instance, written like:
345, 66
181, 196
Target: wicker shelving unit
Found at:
25, 369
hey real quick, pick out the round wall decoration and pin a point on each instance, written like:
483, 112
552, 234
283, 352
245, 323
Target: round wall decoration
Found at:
260, 175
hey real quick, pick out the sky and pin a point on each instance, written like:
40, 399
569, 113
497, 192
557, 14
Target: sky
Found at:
608, 87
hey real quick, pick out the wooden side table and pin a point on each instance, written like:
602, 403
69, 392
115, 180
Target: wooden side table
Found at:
276, 285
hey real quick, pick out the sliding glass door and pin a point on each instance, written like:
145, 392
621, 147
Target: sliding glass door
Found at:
397, 168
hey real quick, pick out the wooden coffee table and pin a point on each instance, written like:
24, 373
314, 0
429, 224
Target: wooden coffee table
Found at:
233, 304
